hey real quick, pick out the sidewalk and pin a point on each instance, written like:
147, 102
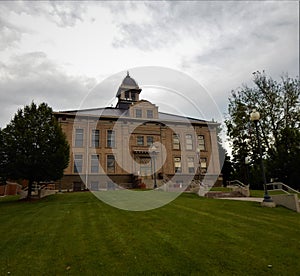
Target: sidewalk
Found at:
255, 199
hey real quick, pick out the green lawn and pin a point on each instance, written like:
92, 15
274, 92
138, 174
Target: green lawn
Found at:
220, 189
76, 234
260, 193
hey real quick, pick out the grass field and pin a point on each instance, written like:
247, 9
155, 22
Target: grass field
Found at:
260, 193
76, 234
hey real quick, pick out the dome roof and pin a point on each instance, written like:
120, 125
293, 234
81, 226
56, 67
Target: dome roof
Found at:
128, 83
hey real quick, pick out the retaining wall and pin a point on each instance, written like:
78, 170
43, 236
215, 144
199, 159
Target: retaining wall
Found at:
290, 201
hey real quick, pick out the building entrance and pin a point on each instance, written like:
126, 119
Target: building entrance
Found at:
144, 167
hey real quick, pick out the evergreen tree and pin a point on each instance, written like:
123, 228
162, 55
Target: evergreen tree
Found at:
34, 145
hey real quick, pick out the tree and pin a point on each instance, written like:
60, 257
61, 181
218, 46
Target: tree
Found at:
224, 158
278, 104
285, 158
34, 145
2, 160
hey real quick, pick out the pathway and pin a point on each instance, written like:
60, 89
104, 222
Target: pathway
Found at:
255, 199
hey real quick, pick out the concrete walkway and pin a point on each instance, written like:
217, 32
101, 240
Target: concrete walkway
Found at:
255, 199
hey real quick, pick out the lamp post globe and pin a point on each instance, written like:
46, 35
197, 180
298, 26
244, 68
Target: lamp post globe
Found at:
254, 116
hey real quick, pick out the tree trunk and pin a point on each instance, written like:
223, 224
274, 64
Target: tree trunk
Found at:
29, 189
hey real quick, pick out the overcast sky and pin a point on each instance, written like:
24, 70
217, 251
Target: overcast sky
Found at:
57, 52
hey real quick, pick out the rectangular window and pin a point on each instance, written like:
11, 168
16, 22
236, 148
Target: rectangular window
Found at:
94, 163
138, 113
149, 113
140, 140
79, 137
111, 139
110, 164
203, 165
133, 96
78, 163
191, 165
150, 140
94, 185
189, 141
176, 142
201, 142
177, 164
178, 184
95, 138
127, 95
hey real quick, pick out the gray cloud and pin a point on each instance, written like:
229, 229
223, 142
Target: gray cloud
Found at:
143, 36
67, 13
10, 34
225, 25
235, 38
62, 13
33, 77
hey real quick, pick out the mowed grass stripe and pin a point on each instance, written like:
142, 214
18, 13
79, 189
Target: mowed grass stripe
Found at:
77, 234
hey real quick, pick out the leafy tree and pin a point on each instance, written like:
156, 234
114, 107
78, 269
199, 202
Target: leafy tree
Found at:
35, 147
284, 160
224, 158
2, 160
278, 104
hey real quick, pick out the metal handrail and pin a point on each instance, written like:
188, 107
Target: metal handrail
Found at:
239, 183
273, 184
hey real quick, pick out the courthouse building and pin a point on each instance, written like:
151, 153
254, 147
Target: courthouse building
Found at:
134, 143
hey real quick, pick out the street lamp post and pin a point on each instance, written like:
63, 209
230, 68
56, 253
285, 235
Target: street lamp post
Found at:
199, 163
254, 117
247, 162
153, 154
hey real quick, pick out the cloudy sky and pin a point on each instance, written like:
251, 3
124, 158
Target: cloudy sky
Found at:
58, 52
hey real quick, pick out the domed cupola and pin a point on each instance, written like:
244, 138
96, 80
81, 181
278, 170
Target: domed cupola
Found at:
128, 92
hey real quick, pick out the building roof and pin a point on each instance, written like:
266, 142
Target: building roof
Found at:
115, 113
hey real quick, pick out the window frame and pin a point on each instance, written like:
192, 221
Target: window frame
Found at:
201, 146
177, 169
94, 183
92, 162
110, 138
191, 164
150, 143
138, 113
150, 114
79, 138
108, 167
95, 143
176, 137
140, 141
189, 142
203, 165
78, 163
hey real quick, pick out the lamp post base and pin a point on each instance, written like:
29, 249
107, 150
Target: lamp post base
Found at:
267, 198
270, 204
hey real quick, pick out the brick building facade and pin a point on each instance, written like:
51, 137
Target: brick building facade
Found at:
134, 143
